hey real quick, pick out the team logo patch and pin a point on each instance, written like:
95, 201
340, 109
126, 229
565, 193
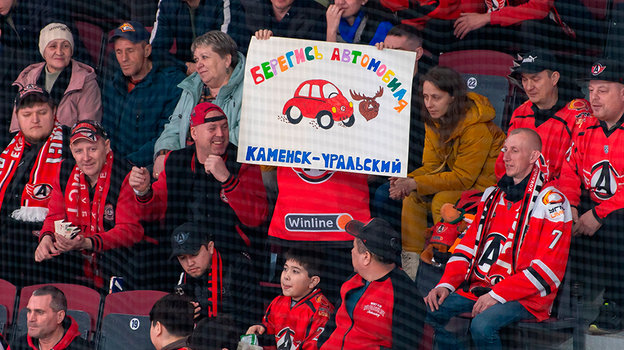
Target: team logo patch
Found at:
224, 198
604, 180
39, 191
313, 176
285, 339
109, 212
578, 105
181, 237
552, 197
126, 27
598, 68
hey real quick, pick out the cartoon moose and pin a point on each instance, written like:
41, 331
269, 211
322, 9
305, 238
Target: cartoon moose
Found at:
369, 108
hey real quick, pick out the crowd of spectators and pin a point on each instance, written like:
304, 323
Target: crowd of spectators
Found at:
132, 172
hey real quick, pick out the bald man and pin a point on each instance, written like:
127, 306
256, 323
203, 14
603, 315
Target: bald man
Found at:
509, 281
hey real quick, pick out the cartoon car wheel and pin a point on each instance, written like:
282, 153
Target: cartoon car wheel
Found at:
325, 120
294, 114
349, 121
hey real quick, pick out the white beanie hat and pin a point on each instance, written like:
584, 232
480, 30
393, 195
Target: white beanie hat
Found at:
54, 31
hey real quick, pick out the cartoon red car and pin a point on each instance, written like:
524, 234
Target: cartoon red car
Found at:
321, 100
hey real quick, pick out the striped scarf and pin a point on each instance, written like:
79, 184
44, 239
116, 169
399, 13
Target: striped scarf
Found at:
506, 262
36, 193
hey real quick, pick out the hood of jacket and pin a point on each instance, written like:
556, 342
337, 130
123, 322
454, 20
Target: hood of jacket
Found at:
481, 111
71, 333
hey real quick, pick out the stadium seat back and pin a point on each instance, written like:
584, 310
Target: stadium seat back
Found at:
82, 319
123, 331
79, 298
8, 293
486, 62
495, 88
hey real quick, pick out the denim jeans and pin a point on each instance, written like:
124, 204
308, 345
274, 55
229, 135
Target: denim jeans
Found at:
484, 327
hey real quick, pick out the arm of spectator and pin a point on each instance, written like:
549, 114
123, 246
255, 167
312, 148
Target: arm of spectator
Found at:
46, 249
473, 152
56, 209
79, 242
153, 204
587, 224
246, 195
162, 35
143, 155
317, 325
569, 182
333, 16
483, 303
408, 317
140, 181
127, 230
467, 22
552, 223
90, 101
532, 9
431, 158
436, 297
401, 187
256, 329
263, 34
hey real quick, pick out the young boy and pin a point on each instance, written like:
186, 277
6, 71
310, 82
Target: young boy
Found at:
297, 317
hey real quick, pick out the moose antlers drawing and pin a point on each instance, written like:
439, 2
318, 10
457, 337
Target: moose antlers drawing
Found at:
369, 108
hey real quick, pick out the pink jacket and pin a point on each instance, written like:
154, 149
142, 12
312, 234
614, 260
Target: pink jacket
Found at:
82, 99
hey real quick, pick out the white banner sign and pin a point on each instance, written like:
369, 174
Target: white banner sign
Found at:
322, 105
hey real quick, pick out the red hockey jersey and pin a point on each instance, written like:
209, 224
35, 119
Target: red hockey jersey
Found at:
556, 132
298, 326
596, 163
528, 267
314, 205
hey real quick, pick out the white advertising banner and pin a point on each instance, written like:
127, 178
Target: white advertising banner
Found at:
322, 105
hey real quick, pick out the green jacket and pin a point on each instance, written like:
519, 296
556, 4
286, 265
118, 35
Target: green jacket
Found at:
229, 99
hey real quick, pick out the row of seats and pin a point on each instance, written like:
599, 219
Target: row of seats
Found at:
117, 321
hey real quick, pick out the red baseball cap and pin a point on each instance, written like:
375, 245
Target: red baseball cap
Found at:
198, 116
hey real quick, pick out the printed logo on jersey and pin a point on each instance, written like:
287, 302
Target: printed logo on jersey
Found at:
39, 191
109, 212
491, 249
552, 197
285, 339
598, 68
603, 180
313, 176
494, 279
316, 222
374, 309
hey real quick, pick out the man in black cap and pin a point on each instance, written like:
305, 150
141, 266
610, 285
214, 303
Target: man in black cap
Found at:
552, 109
592, 180
217, 283
27, 169
379, 306
140, 96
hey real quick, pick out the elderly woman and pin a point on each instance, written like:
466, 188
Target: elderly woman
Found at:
461, 147
219, 79
71, 84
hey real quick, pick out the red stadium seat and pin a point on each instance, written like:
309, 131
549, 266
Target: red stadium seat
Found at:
8, 293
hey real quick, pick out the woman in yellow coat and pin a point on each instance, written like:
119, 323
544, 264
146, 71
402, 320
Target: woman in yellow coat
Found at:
461, 147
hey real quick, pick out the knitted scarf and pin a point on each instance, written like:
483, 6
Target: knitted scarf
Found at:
506, 262
36, 193
215, 284
88, 215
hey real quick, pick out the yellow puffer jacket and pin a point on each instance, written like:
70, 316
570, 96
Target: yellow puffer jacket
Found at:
468, 158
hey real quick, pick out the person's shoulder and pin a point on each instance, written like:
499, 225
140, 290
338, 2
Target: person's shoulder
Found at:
79, 343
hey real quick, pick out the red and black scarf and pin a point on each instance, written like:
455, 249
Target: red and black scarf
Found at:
86, 214
36, 193
508, 257
215, 284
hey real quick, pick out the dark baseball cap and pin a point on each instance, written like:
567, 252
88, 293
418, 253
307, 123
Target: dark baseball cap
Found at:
606, 69
188, 239
131, 30
29, 90
534, 62
378, 237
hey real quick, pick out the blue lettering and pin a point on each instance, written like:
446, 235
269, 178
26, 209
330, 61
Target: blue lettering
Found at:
250, 153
